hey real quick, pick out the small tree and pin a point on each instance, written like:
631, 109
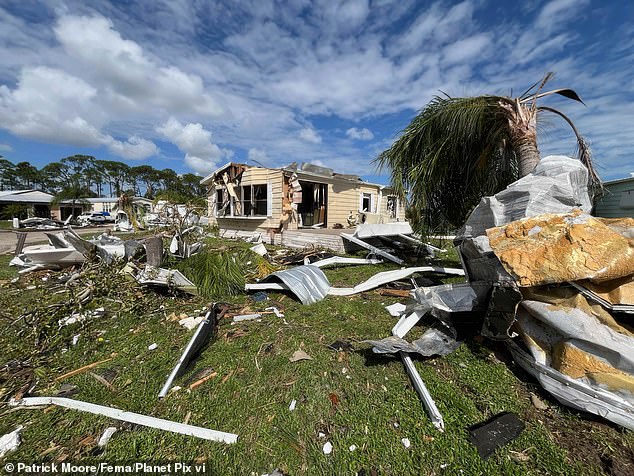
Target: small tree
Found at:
457, 150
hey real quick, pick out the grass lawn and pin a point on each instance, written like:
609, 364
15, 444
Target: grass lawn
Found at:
343, 397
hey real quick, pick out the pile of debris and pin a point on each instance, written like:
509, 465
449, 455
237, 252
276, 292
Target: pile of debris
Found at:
553, 282
67, 249
389, 240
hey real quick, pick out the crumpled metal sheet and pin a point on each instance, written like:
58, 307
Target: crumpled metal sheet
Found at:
389, 276
558, 184
450, 297
575, 393
556, 248
310, 284
570, 340
434, 341
307, 282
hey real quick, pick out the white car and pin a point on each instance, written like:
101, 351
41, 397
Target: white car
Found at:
91, 217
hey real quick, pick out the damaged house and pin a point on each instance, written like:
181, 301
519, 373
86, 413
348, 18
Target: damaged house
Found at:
242, 197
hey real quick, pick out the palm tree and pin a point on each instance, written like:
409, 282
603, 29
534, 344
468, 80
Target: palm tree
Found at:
457, 150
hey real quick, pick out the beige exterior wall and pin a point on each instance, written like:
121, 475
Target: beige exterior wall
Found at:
344, 196
254, 176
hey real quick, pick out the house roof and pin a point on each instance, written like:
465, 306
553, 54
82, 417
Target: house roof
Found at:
206, 179
622, 180
25, 196
305, 170
115, 199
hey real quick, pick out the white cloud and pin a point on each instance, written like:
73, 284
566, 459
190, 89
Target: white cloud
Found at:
258, 155
258, 73
5, 148
201, 154
471, 48
134, 148
52, 106
360, 134
122, 67
310, 135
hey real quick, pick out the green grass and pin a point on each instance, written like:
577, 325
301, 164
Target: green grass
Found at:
375, 408
7, 272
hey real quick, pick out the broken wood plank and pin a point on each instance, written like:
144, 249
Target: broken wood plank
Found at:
83, 369
198, 383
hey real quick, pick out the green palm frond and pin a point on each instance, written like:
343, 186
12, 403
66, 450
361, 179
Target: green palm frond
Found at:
452, 153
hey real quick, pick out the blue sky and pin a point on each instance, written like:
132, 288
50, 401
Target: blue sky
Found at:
192, 84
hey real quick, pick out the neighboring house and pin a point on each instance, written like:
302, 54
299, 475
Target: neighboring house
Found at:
242, 197
33, 202
618, 199
108, 204
100, 204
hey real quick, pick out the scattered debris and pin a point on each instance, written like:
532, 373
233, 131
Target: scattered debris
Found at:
299, 355
406, 442
246, 317
201, 337
168, 278
396, 309
352, 448
439, 340
259, 296
190, 323
291, 407
495, 432
538, 402
311, 285
105, 437
276, 311
130, 417
327, 448
202, 380
341, 345
152, 346
259, 249
83, 369
10, 441
340, 260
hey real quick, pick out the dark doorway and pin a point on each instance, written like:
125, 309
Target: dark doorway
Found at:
314, 204
42, 211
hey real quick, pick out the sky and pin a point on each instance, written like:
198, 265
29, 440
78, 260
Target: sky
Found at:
193, 84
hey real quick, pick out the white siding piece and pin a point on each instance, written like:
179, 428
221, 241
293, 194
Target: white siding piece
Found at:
269, 199
135, 418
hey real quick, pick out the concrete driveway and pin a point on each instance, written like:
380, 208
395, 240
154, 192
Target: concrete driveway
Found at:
8, 238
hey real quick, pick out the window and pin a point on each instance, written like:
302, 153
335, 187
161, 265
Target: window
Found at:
254, 200
392, 206
220, 203
365, 204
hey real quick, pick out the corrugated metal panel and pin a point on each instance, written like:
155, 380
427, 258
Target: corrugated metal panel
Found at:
308, 283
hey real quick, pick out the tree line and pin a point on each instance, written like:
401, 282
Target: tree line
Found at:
84, 176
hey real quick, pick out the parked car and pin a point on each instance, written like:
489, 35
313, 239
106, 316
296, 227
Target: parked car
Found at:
91, 217
107, 216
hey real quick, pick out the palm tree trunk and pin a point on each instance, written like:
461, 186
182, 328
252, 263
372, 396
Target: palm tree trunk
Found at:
527, 154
